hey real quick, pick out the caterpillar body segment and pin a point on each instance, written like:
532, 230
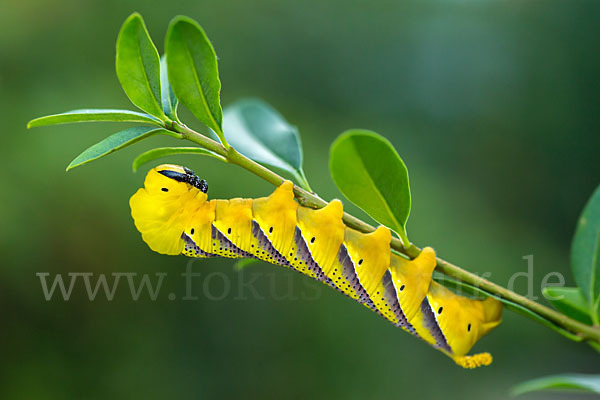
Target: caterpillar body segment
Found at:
279, 212
174, 216
318, 237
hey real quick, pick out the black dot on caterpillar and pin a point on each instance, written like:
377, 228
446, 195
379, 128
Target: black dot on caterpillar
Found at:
164, 189
312, 240
192, 231
402, 287
360, 261
440, 310
229, 231
469, 328
271, 230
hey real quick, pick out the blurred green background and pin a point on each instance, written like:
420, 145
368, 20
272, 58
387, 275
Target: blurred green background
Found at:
492, 104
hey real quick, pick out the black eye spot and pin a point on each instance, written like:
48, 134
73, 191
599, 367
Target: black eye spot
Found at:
312, 240
192, 231
360, 261
164, 189
469, 328
229, 231
271, 230
440, 310
402, 288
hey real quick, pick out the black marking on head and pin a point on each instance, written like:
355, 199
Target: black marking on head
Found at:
431, 324
203, 186
178, 176
189, 177
188, 171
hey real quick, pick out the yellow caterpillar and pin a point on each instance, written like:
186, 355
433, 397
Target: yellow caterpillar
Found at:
174, 216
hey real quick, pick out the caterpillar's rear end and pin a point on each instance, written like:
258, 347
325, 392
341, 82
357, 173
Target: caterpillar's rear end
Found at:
175, 217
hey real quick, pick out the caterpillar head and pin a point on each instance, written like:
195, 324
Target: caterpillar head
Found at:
162, 208
464, 321
180, 179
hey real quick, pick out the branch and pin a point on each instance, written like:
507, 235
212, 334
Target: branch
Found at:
307, 199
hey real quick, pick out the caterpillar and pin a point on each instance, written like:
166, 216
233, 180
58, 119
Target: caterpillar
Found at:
174, 216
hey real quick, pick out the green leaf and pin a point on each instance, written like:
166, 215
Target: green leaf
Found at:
94, 115
260, 133
193, 72
169, 101
370, 173
577, 382
244, 262
464, 288
116, 142
138, 66
585, 253
569, 301
170, 151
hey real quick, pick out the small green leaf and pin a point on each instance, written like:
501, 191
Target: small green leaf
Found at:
170, 151
464, 288
94, 115
370, 173
585, 253
169, 101
116, 142
577, 382
138, 66
193, 72
244, 262
260, 133
569, 301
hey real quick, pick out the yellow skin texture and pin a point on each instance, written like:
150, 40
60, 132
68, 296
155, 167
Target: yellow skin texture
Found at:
318, 244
